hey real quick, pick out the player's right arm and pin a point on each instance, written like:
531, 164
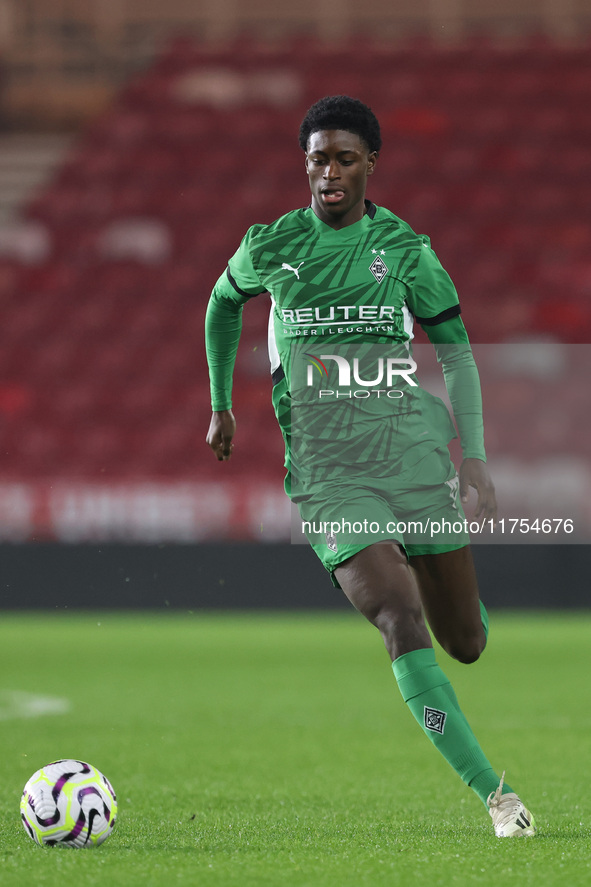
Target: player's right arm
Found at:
223, 325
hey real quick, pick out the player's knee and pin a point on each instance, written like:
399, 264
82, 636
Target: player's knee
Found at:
402, 629
467, 649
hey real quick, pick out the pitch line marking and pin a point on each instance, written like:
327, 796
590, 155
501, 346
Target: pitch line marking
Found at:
16, 704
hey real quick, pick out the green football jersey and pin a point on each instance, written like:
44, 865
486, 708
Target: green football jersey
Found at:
343, 305
365, 282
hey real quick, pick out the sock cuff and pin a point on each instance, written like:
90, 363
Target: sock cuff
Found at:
472, 764
417, 672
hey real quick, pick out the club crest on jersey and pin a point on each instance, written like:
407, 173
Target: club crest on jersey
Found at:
331, 541
378, 267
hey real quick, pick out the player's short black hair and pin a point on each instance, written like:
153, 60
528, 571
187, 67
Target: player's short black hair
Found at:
342, 112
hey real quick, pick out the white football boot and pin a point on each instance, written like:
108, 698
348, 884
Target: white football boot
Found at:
510, 816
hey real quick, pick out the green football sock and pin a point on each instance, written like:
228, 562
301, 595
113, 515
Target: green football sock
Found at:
432, 700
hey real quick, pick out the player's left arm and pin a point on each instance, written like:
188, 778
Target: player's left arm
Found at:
433, 300
462, 381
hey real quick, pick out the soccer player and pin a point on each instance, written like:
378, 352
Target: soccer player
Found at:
347, 280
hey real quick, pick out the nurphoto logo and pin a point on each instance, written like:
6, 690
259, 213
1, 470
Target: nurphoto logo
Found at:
387, 369
384, 371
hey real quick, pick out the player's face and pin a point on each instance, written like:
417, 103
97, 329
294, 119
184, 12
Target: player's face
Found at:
338, 164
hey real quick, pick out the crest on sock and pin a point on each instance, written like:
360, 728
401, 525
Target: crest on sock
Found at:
435, 719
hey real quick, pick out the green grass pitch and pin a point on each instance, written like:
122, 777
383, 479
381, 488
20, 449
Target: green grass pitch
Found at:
268, 750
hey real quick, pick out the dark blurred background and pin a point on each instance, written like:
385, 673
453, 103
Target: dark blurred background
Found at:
138, 142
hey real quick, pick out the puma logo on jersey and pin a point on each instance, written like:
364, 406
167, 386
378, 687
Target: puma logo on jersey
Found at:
296, 271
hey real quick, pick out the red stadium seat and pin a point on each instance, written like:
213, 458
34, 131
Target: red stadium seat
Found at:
102, 360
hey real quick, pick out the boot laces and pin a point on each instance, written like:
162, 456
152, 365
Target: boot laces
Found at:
503, 808
494, 799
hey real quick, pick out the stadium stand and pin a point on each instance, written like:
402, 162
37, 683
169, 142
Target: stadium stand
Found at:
104, 288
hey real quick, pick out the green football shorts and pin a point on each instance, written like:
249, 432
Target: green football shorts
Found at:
420, 509
413, 498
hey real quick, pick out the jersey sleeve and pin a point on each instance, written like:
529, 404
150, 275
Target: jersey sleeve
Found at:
223, 321
462, 381
241, 272
433, 297
436, 306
